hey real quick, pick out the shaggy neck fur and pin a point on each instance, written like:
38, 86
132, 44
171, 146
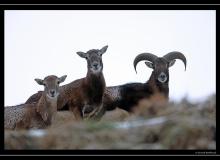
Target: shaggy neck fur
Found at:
95, 86
46, 107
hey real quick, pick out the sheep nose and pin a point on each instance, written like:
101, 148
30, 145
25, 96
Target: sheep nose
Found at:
162, 76
52, 92
95, 65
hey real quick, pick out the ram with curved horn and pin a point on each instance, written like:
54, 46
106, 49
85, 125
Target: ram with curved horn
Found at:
126, 96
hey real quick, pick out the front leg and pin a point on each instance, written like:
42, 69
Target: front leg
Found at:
100, 112
93, 112
77, 112
87, 110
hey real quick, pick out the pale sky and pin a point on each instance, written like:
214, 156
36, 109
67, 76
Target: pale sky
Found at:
41, 43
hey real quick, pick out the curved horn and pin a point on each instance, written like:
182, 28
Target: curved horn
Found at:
144, 56
175, 55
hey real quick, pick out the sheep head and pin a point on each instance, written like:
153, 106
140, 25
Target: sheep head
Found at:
94, 59
160, 65
51, 85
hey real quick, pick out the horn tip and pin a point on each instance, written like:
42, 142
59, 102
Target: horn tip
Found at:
135, 70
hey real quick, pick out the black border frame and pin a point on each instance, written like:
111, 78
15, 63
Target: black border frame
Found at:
106, 7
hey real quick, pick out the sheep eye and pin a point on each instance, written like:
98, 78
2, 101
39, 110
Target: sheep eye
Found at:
154, 66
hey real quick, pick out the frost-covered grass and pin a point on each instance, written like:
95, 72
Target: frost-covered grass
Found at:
154, 124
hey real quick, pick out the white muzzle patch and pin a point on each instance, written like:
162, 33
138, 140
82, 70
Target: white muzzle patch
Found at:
162, 77
97, 69
52, 96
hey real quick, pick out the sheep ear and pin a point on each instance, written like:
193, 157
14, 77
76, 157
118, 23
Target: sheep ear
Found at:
149, 64
171, 63
82, 54
62, 79
103, 50
39, 81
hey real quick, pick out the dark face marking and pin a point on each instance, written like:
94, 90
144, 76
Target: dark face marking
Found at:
161, 70
51, 86
94, 61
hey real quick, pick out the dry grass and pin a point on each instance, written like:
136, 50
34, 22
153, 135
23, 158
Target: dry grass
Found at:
155, 124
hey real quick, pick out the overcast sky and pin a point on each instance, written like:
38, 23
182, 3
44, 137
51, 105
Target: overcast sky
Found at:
40, 43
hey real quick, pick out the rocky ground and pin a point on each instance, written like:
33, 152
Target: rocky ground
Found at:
154, 124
